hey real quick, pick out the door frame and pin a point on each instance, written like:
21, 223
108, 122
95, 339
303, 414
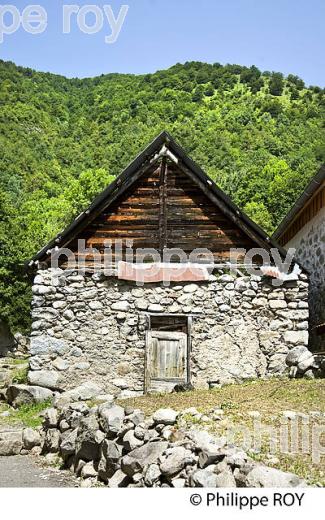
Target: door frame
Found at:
188, 320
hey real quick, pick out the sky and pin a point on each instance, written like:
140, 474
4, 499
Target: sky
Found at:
280, 35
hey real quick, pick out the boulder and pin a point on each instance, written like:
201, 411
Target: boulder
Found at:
88, 470
292, 358
201, 438
179, 482
234, 456
262, 476
46, 378
225, 479
73, 413
204, 477
84, 392
306, 361
211, 453
175, 460
51, 441
119, 479
51, 418
111, 452
130, 442
31, 438
147, 454
140, 432
87, 441
111, 419
24, 394
4, 378
68, 443
136, 417
11, 443
165, 416
151, 475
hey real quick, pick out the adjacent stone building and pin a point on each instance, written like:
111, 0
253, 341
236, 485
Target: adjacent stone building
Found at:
304, 230
136, 326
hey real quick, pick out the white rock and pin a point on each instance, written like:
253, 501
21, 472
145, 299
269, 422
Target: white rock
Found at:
121, 306
262, 476
120, 383
155, 307
152, 474
191, 288
277, 304
45, 378
175, 460
88, 470
31, 438
95, 305
60, 364
87, 390
130, 442
165, 416
296, 337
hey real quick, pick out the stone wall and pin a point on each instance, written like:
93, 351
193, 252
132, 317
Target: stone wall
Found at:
93, 328
310, 251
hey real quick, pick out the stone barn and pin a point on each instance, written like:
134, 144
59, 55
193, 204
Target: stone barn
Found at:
107, 309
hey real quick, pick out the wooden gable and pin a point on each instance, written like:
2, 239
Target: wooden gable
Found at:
165, 209
163, 200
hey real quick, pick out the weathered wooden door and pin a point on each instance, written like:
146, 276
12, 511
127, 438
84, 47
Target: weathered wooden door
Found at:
166, 363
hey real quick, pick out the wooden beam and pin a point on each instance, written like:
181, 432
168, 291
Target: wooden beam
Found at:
163, 205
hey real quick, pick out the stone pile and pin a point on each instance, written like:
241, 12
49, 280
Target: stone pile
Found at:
304, 363
120, 447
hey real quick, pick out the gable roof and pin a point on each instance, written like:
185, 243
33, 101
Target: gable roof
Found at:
304, 198
164, 144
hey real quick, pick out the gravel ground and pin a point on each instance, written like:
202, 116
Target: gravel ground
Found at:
22, 471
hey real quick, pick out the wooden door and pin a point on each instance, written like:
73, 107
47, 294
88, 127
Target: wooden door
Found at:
166, 363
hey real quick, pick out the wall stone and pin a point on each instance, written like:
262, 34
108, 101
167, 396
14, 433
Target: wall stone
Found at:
93, 328
310, 251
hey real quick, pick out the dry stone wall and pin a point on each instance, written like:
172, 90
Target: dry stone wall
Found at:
93, 328
310, 251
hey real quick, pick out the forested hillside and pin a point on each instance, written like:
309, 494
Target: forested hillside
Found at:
260, 136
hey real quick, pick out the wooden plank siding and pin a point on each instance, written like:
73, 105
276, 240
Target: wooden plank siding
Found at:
307, 213
165, 209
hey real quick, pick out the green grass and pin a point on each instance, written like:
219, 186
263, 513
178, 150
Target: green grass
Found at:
19, 376
14, 361
269, 397
26, 415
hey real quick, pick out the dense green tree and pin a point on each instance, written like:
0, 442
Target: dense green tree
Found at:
259, 214
276, 84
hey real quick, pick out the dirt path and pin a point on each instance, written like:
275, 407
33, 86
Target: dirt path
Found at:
22, 471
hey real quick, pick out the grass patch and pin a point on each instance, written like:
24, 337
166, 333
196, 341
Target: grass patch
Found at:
19, 376
26, 415
16, 361
270, 398
266, 396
